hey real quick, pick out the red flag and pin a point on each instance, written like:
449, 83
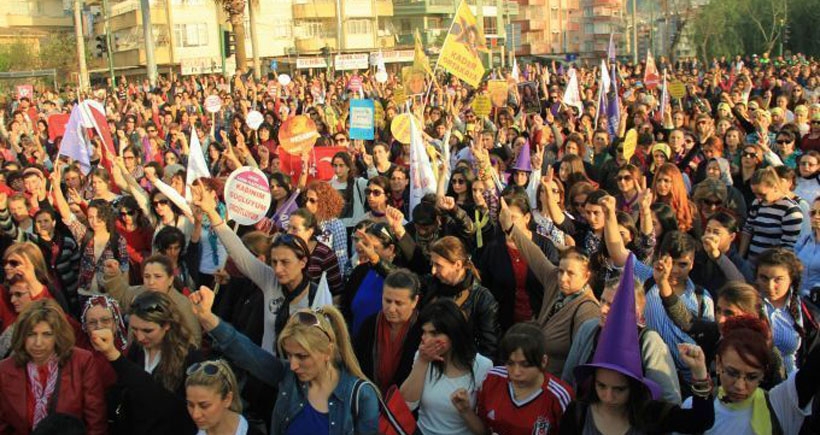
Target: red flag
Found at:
56, 125
321, 167
651, 77
100, 124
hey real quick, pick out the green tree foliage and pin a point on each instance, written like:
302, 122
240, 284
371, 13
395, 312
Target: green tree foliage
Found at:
731, 27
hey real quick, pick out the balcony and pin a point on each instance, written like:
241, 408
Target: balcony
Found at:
314, 9
529, 25
384, 8
385, 41
429, 37
425, 7
314, 44
130, 19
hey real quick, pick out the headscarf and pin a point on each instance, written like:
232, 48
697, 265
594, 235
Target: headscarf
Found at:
120, 336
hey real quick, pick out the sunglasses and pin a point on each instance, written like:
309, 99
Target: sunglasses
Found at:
292, 242
125, 213
161, 202
624, 178
146, 307
373, 192
13, 263
210, 368
309, 318
783, 142
750, 155
816, 122
458, 181
713, 202
815, 213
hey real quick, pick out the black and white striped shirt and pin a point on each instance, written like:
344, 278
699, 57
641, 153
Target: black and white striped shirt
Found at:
773, 225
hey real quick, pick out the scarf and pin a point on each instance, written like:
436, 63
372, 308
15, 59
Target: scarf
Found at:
480, 223
41, 390
387, 351
761, 418
452, 291
108, 303
283, 313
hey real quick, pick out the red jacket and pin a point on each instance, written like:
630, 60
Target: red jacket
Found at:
81, 395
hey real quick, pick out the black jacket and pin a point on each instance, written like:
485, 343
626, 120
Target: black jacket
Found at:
365, 348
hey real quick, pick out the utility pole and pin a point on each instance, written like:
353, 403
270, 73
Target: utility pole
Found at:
108, 49
78, 34
257, 66
148, 36
500, 9
635, 32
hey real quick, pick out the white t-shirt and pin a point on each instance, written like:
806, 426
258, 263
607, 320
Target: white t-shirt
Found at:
437, 415
783, 398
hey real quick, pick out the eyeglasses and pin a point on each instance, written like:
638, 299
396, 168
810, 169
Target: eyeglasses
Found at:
125, 213
161, 202
373, 192
308, 318
13, 263
151, 130
458, 181
129, 158
102, 322
624, 178
750, 378
210, 368
712, 202
783, 141
750, 155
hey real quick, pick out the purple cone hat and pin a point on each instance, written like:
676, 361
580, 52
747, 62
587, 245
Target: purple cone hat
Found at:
618, 348
523, 162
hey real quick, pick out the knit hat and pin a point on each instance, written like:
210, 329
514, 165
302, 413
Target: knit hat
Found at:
618, 347
662, 147
801, 110
776, 111
724, 106
523, 163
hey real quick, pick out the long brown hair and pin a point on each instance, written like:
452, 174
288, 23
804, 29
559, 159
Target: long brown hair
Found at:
43, 310
453, 249
34, 255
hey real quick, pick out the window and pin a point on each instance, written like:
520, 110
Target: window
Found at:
358, 27
490, 26
191, 35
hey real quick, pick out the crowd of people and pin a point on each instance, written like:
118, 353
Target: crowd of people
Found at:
570, 272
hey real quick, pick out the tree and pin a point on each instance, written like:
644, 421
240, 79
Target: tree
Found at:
235, 9
768, 17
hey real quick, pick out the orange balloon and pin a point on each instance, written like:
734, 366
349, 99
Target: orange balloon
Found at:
298, 134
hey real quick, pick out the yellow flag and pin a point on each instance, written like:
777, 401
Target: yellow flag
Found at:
420, 61
460, 52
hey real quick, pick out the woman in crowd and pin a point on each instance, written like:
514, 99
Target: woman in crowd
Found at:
719, 169
376, 193
808, 181
629, 190
387, 341
23, 264
741, 405
669, 189
326, 390
454, 276
399, 196
283, 199
100, 181
185, 257
326, 204
808, 252
103, 312
751, 159
350, 186
138, 233
447, 372
99, 240
157, 276
152, 373
322, 259
19, 297
214, 404
46, 374
461, 188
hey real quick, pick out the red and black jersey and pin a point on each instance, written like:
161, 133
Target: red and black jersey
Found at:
539, 414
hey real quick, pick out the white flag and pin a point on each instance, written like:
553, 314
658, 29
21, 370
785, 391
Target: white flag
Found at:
572, 96
515, 71
422, 180
197, 167
323, 296
605, 80
74, 144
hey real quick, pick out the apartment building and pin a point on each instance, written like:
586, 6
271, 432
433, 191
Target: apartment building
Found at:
598, 20
31, 20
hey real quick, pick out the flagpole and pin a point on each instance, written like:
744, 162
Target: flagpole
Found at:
598, 101
449, 30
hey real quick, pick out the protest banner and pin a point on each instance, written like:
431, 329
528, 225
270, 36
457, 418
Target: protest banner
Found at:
320, 165
400, 127
298, 134
460, 52
482, 105
26, 91
498, 92
677, 89
362, 116
345, 62
254, 119
247, 195
213, 104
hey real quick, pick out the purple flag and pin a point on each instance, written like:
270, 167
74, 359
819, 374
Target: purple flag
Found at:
614, 100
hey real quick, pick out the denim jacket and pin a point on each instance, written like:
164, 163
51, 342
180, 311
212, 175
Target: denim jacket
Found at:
293, 393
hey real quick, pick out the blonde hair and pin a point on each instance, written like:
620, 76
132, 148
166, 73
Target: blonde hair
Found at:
329, 337
34, 255
223, 382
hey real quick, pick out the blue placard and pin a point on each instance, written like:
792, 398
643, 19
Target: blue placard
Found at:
361, 119
274, 65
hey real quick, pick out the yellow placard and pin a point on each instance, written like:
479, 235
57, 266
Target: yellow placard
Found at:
482, 105
460, 52
630, 143
498, 91
298, 134
399, 96
400, 127
378, 114
676, 89
413, 80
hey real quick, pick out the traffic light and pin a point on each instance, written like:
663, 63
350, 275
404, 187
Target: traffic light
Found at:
228, 43
787, 33
101, 46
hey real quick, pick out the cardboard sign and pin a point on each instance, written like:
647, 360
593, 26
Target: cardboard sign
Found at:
254, 119
498, 92
413, 79
320, 165
213, 104
247, 195
399, 96
25, 91
400, 127
273, 89
283, 79
482, 105
362, 116
630, 143
529, 97
355, 84
677, 89
298, 134
345, 62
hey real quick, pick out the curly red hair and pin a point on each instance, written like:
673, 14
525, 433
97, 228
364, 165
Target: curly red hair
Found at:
678, 198
330, 203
